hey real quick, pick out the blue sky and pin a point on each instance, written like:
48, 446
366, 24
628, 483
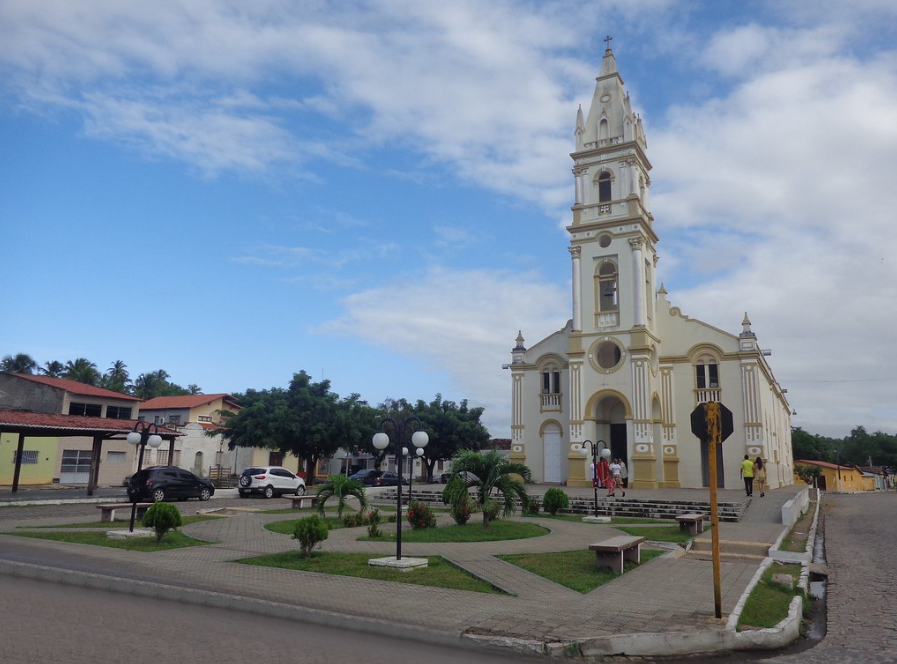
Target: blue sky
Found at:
376, 192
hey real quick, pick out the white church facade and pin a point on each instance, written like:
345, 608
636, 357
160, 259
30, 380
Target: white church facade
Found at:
629, 368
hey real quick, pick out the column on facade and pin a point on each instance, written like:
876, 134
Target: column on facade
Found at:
575, 254
643, 454
633, 179
670, 477
638, 282
753, 427
577, 179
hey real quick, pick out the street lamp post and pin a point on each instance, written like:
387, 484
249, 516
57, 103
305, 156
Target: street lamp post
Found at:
604, 452
381, 441
141, 435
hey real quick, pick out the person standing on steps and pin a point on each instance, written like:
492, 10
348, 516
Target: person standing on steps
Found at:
747, 474
615, 479
760, 475
624, 474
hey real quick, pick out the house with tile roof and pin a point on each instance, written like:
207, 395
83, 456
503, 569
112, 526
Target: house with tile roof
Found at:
66, 459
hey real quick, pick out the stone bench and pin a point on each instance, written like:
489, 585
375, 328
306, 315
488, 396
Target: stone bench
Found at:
694, 523
612, 552
107, 512
298, 502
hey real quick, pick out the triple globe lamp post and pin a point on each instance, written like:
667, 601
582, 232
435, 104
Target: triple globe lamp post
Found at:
419, 439
144, 433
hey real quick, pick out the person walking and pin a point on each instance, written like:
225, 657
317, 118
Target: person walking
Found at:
616, 477
760, 475
624, 474
747, 474
602, 473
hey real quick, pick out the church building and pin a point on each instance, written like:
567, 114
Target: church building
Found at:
629, 368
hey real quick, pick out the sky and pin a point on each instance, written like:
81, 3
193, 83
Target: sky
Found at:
377, 192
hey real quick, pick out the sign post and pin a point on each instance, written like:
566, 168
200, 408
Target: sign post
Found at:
712, 423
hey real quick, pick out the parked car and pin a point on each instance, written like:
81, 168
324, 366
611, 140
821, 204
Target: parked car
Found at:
269, 481
371, 477
445, 477
166, 482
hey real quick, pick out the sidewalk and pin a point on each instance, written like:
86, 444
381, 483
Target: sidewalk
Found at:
659, 605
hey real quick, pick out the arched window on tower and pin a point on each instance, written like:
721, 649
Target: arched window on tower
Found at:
603, 130
607, 287
604, 181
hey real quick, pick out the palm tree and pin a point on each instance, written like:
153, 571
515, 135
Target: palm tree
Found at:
53, 369
488, 471
82, 370
117, 377
21, 363
341, 488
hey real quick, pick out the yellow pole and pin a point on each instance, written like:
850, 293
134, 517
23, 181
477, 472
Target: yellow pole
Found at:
713, 439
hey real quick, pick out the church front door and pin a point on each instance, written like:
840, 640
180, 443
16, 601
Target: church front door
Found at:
551, 440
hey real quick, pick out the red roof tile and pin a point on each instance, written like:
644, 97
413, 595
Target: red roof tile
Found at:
185, 401
75, 387
821, 464
25, 420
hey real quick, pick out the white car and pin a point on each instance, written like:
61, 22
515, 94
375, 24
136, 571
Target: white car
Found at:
270, 481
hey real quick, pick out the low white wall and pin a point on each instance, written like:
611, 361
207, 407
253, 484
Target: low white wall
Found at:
794, 508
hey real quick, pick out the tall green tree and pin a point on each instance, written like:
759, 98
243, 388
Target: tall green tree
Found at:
489, 472
19, 363
156, 384
82, 370
306, 420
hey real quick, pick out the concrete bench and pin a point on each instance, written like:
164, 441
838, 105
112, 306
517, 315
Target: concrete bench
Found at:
694, 523
107, 512
612, 552
298, 502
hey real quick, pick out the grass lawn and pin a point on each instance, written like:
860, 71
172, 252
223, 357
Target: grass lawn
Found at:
172, 540
473, 531
438, 573
574, 569
768, 603
796, 539
113, 524
660, 534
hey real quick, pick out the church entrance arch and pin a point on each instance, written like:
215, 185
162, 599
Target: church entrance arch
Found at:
610, 426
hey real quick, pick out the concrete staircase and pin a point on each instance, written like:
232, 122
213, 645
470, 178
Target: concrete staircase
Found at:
621, 507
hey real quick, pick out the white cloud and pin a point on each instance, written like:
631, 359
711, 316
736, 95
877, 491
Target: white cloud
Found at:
463, 322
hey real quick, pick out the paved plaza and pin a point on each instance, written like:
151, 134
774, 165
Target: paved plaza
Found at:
670, 595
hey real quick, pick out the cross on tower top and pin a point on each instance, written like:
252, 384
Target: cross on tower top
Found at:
607, 41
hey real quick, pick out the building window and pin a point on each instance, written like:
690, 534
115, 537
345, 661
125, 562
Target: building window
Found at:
115, 457
707, 375
118, 413
607, 287
28, 456
174, 419
85, 409
551, 382
204, 418
604, 180
275, 459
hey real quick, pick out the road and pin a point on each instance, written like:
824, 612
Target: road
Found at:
46, 623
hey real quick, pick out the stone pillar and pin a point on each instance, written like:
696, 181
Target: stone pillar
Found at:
638, 283
575, 254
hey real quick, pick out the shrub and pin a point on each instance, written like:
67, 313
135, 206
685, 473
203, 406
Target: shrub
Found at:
373, 524
162, 517
491, 510
420, 515
555, 499
532, 506
462, 508
310, 531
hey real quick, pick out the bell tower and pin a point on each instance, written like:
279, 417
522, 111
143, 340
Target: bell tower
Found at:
613, 343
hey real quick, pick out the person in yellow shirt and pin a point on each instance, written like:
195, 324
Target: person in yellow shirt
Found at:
747, 474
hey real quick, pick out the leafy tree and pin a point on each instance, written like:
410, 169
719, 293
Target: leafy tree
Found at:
193, 388
807, 473
82, 370
555, 499
306, 420
341, 488
53, 369
19, 363
156, 384
162, 517
489, 471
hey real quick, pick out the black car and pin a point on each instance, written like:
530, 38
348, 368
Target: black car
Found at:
165, 482
371, 477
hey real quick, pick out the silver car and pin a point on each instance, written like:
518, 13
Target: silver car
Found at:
269, 481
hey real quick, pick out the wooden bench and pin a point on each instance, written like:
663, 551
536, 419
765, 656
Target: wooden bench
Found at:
694, 523
299, 501
108, 511
612, 552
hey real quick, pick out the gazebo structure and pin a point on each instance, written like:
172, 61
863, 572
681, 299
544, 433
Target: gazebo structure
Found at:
27, 423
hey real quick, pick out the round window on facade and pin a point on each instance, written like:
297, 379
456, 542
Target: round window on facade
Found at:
604, 240
606, 355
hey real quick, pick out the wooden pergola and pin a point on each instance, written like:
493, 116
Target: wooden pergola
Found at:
26, 423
